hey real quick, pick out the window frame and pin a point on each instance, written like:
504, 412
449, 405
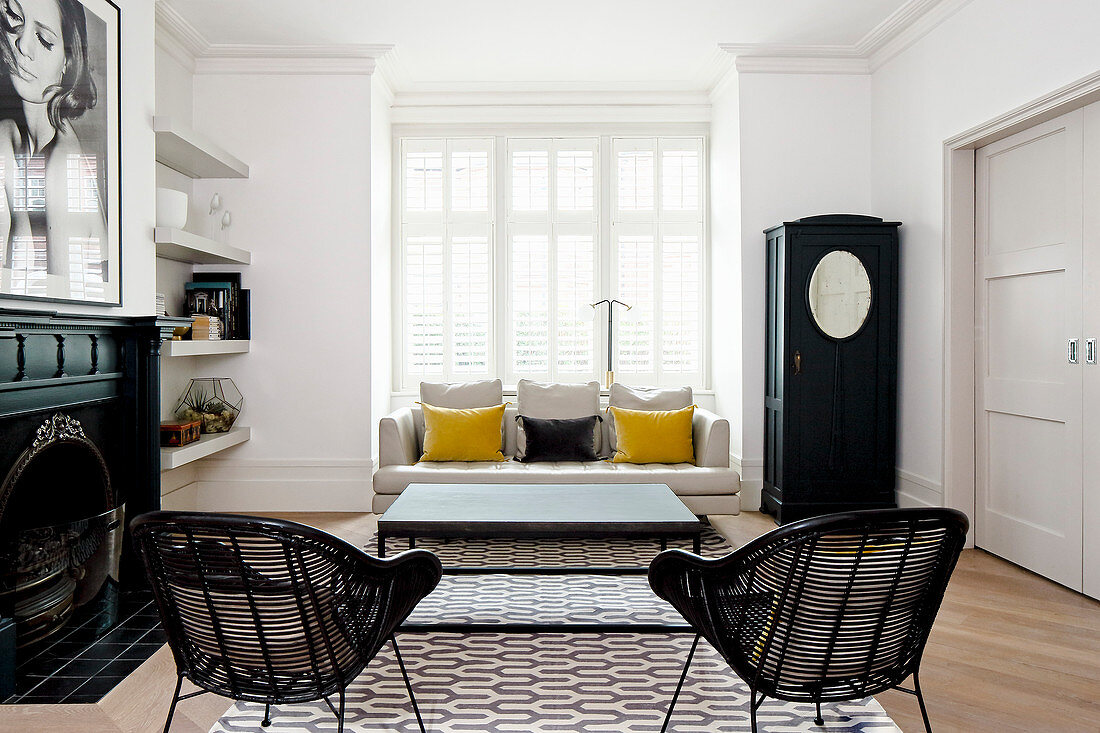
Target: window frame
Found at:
501, 218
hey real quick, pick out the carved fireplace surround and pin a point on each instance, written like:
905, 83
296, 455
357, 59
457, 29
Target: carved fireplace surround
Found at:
79, 457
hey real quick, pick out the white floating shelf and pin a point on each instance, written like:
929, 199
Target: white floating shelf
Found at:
205, 348
176, 244
192, 153
207, 445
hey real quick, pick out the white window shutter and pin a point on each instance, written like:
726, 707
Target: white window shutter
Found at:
529, 170
635, 285
681, 301
424, 301
530, 304
575, 266
470, 299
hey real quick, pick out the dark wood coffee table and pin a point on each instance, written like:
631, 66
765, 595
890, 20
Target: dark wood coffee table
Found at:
537, 511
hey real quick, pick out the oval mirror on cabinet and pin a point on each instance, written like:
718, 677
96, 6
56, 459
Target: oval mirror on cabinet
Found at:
840, 294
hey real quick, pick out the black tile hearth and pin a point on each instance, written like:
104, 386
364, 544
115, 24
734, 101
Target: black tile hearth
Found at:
84, 663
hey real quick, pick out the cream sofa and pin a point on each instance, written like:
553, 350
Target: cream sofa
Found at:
709, 486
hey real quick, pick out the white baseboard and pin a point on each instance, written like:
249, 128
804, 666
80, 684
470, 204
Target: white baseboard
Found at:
278, 486
752, 481
917, 491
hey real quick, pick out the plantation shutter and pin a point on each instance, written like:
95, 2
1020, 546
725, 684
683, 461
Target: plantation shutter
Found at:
553, 258
657, 259
447, 236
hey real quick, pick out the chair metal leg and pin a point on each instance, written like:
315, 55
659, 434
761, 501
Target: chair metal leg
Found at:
340, 715
753, 705
408, 684
819, 720
267, 716
175, 699
920, 700
680, 685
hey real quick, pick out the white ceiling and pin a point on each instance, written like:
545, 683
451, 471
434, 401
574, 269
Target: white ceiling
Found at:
655, 43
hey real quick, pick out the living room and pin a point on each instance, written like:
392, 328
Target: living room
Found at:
653, 146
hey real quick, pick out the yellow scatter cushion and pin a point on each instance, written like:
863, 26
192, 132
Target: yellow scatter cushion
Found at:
653, 436
472, 434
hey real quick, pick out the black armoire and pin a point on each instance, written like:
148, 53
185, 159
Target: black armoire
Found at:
831, 366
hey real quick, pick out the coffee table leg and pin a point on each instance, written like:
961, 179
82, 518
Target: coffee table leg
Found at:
381, 545
412, 543
664, 544
697, 543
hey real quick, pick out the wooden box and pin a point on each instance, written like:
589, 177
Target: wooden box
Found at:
173, 435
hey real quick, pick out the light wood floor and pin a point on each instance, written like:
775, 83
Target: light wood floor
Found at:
1010, 651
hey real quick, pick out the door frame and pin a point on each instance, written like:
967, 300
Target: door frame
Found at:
959, 356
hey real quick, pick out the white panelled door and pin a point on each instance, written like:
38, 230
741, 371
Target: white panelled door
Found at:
1091, 309
1030, 348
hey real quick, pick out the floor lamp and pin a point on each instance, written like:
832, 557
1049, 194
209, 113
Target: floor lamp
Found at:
611, 303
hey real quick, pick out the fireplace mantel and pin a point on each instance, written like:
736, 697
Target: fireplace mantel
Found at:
102, 369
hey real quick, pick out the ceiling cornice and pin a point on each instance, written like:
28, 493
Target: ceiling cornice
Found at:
901, 29
273, 59
178, 37
894, 34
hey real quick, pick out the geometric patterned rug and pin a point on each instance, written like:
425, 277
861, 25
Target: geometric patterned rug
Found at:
561, 682
565, 683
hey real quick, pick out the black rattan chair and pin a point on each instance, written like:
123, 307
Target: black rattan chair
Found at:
827, 609
271, 611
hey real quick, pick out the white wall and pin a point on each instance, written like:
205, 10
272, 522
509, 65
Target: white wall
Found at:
805, 150
137, 96
304, 214
381, 318
175, 96
987, 59
725, 258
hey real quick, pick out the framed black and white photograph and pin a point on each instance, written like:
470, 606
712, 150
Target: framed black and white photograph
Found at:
60, 151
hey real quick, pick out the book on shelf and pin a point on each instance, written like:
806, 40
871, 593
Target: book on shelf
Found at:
236, 315
205, 328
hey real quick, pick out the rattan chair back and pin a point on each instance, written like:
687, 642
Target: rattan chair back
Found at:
830, 608
273, 611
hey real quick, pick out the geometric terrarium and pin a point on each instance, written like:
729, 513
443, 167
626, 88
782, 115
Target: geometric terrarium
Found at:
214, 401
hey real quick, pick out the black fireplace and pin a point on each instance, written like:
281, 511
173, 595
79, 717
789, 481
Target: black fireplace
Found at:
79, 456
61, 527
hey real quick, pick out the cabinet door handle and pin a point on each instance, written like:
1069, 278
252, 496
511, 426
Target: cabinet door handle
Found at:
798, 362
1090, 351
1071, 352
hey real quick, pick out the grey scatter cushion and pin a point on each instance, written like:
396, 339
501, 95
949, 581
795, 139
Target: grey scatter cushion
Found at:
463, 395
551, 400
566, 439
645, 398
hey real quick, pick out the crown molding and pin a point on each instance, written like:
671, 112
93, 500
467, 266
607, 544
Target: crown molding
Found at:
527, 106
176, 36
179, 38
897, 32
784, 59
273, 59
908, 30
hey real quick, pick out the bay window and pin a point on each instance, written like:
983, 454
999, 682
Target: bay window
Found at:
499, 283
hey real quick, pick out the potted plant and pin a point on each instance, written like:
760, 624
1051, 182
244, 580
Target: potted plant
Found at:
214, 401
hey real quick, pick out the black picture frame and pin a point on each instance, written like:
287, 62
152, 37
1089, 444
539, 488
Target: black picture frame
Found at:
67, 252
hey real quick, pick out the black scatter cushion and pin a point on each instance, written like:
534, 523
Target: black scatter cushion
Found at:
569, 439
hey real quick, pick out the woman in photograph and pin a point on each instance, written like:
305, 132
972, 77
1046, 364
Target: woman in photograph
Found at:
52, 186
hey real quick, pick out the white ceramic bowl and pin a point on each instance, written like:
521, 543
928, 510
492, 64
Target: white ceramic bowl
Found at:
171, 208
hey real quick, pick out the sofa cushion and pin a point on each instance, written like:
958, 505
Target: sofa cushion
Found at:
653, 436
551, 400
487, 393
645, 398
566, 439
683, 478
472, 434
